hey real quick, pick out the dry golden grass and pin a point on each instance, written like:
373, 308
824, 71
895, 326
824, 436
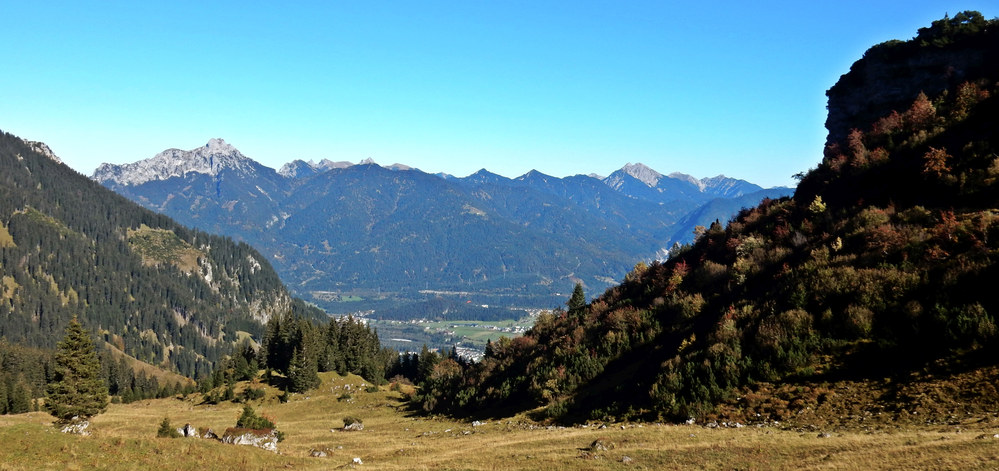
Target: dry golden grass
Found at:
393, 439
5, 238
164, 246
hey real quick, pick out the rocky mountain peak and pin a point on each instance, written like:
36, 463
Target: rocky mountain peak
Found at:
209, 159
534, 175
330, 165
643, 173
700, 184
483, 176
300, 169
296, 168
43, 149
219, 146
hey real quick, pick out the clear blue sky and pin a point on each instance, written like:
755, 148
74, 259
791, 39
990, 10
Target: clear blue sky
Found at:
562, 87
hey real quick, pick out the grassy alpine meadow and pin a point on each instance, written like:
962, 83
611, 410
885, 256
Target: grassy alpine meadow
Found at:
396, 439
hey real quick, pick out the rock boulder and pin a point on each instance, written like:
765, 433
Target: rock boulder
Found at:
260, 438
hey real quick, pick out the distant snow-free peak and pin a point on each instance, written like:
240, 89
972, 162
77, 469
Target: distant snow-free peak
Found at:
643, 173
209, 159
689, 179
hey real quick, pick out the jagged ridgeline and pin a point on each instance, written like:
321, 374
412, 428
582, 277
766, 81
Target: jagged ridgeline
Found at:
162, 293
883, 262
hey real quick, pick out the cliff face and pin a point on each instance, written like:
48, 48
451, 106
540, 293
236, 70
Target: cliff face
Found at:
892, 74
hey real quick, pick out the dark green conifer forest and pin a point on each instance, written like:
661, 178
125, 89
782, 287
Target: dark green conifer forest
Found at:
141, 284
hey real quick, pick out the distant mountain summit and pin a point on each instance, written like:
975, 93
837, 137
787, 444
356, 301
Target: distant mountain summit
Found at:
209, 159
303, 169
639, 181
642, 173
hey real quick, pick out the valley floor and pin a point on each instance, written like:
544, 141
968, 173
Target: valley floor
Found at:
125, 438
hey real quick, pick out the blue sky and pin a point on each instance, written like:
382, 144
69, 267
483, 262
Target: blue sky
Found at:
702, 88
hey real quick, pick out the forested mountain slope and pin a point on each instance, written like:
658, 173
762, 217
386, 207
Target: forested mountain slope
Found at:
883, 262
159, 292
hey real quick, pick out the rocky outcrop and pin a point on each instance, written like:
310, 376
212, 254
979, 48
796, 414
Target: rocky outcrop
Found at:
319, 453
44, 149
207, 433
893, 73
189, 431
76, 427
354, 427
260, 438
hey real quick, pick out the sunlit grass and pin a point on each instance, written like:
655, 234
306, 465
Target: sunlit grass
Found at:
125, 438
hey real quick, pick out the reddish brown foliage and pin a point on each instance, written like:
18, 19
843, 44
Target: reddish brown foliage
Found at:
935, 162
922, 113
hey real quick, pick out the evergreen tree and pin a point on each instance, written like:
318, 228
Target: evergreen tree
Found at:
166, 430
250, 419
577, 301
19, 399
77, 389
302, 373
4, 406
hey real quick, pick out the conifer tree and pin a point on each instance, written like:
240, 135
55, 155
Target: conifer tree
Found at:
577, 301
302, 373
77, 389
4, 408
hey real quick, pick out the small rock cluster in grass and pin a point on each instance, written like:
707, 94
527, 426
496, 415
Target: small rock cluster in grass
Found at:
320, 452
714, 424
265, 438
261, 438
352, 424
592, 452
600, 445
76, 427
354, 427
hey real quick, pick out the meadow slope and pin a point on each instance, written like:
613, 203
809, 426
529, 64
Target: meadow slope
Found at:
395, 439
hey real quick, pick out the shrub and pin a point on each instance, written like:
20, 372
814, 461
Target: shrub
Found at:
251, 394
249, 419
166, 430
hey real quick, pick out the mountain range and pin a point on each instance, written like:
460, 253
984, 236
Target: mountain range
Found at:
335, 230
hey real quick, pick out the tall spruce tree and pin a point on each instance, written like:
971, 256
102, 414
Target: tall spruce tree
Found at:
78, 390
577, 302
302, 373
